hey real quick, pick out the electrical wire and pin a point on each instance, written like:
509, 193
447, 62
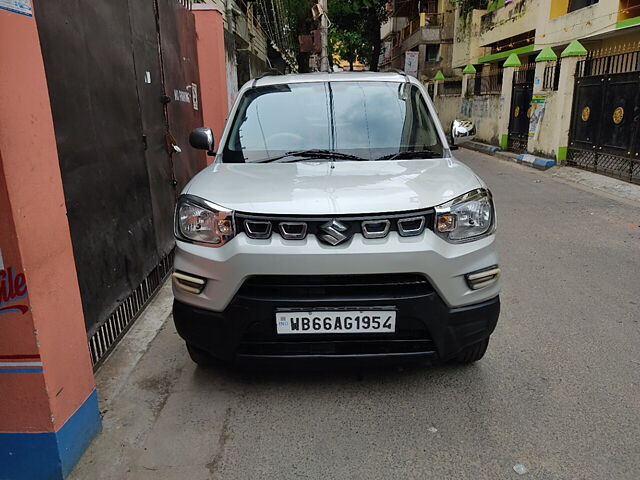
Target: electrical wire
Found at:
276, 41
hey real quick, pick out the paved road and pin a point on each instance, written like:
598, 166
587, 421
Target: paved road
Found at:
558, 391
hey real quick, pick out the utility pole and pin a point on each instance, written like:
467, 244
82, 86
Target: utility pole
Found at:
324, 37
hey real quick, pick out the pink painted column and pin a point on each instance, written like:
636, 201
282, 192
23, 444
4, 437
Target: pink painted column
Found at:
49, 410
211, 61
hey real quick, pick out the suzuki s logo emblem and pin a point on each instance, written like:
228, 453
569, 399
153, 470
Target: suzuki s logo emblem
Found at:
333, 229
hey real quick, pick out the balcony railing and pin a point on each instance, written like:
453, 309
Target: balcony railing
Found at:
450, 87
408, 8
430, 6
431, 20
551, 76
489, 83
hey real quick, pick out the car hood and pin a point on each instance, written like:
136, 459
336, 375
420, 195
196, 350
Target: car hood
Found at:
329, 188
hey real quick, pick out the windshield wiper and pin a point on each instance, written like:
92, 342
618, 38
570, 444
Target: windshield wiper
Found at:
410, 154
313, 153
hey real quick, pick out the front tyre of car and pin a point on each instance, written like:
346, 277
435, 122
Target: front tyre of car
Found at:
473, 353
201, 357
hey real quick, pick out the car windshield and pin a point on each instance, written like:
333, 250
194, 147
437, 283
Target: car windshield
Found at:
363, 120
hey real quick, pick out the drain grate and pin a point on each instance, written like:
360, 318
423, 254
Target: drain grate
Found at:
107, 335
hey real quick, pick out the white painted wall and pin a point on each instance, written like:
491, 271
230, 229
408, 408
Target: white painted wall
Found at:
483, 110
466, 39
595, 19
511, 20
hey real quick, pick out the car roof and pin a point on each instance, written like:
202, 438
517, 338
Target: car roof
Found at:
330, 77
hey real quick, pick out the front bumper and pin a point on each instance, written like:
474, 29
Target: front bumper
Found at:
445, 265
426, 328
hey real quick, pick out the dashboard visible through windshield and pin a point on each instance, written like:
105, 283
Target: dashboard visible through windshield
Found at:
362, 120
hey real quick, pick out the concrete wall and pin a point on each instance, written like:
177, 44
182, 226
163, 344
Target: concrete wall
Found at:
512, 19
466, 39
595, 19
448, 108
49, 410
483, 110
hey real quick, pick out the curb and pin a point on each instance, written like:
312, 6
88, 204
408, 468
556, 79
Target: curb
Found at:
481, 147
522, 158
535, 162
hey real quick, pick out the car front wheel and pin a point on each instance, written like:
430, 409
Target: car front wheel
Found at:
201, 357
473, 353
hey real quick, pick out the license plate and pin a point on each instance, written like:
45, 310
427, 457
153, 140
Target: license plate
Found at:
336, 321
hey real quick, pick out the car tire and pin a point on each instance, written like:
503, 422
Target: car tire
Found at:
201, 357
473, 353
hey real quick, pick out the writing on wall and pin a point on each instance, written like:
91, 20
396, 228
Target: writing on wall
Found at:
13, 288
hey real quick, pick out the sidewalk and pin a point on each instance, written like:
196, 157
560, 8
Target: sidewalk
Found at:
164, 418
609, 185
133, 389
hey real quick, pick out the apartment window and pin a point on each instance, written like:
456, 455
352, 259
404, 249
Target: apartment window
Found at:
578, 4
433, 53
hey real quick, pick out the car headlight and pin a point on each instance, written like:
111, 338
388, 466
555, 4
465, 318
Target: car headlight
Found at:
466, 218
203, 222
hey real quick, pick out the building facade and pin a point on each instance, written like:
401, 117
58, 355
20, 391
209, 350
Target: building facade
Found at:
254, 39
557, 79
424, 27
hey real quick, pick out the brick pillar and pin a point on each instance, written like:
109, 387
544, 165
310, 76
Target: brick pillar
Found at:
505, 105
49, 410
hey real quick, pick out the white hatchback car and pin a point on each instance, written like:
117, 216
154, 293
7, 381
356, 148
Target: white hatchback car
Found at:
335, 224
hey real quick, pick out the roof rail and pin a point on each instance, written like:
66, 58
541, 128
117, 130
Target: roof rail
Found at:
267, 73
401, 72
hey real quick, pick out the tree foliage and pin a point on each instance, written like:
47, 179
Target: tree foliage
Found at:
349, 46
301, 23
467, 6
355, 29
354, 33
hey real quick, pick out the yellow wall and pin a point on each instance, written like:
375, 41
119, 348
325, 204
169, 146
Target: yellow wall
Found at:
558, 8
629, 9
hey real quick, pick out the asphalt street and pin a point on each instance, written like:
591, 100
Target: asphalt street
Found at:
557, 394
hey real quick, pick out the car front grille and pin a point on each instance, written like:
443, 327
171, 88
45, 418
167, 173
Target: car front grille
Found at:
334, 287
335, 230
337, 347
330, 291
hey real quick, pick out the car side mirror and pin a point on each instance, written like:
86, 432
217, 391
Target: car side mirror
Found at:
202, 139
462, 131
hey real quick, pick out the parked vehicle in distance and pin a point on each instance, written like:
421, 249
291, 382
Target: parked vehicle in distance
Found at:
335, 224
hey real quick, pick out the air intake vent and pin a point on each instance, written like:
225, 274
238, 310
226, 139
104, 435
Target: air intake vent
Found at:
335, 230
257, 229
293, 230
376, 228
338, 287
409, 227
